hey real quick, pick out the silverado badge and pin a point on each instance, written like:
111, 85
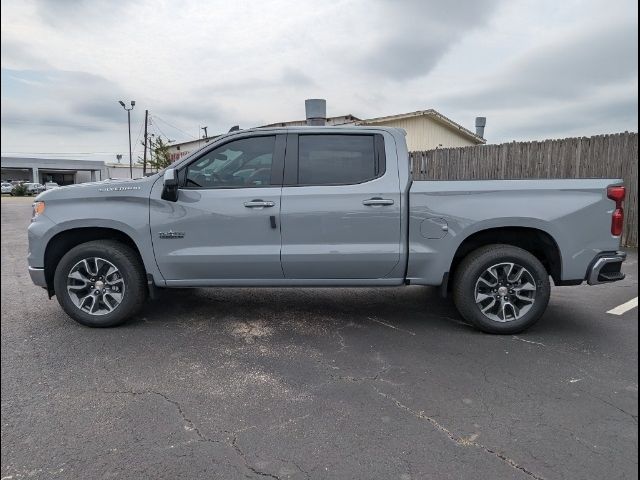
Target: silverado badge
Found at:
171, 234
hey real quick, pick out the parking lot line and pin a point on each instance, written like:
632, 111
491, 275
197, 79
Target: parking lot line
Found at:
625, 307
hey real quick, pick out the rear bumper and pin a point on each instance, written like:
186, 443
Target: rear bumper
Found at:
606, 268
37, 276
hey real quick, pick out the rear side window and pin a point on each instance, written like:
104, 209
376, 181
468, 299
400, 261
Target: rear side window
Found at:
339, 159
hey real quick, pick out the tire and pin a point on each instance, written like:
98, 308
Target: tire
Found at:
127, 283
519, 307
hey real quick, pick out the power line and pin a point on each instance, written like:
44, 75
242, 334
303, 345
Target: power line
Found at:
137, 139
173, 126
159, 130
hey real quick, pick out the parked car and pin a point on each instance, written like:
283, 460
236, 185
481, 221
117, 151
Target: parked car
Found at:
50, 185
6, 187
34, 188
323, 206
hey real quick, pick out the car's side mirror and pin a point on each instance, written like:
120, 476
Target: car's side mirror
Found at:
170, 187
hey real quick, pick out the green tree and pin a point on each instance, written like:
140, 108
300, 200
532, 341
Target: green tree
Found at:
19, 190
159, 155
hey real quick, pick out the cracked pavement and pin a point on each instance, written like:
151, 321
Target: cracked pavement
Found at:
314, 383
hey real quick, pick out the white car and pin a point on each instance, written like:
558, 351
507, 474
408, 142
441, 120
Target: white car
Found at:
34, 188
50, 185
6, 187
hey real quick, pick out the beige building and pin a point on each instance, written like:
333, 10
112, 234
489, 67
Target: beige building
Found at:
426, 130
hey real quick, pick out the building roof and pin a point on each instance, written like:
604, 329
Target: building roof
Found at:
433, 114
51, 163
339, 120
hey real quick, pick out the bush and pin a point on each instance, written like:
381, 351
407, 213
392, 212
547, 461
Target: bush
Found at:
19, 190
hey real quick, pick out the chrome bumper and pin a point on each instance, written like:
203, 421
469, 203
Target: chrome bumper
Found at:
606, 268
37, 276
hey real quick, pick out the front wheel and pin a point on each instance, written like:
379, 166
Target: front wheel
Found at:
100, 283
501, 289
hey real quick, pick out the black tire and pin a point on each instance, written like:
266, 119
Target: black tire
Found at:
475, 264
132, 272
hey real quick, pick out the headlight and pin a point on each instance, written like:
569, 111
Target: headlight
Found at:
38, 209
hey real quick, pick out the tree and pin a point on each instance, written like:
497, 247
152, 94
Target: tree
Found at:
19, 190
160, 155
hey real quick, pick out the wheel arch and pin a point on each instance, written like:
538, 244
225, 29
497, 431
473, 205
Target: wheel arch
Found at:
64, 241
539, 243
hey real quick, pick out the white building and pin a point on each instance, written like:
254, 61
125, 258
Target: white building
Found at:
121, 170
59, 170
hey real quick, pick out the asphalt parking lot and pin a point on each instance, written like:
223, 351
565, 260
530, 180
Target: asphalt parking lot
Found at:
314, 383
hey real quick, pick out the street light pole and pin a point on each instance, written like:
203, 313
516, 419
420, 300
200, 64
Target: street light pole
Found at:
133, 104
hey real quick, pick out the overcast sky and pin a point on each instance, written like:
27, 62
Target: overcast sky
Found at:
536, 69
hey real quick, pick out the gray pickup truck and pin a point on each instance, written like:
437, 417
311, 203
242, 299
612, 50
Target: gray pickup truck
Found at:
324, 207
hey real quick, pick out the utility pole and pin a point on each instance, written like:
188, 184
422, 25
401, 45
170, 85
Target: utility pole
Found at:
133, 104
144, 156
205, 131
151, 150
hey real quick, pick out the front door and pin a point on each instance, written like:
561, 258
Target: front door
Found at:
226, 222
340, 207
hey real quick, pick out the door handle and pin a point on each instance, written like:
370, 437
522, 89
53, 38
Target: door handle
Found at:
258, 204
378, 201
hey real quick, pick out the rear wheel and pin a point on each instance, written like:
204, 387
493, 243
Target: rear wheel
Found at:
501, 289
100, 283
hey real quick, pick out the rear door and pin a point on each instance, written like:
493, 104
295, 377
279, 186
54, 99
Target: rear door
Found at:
340, 214
225, 223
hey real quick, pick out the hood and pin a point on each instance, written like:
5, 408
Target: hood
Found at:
103, 188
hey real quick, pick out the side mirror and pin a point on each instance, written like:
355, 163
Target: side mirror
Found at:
170, 188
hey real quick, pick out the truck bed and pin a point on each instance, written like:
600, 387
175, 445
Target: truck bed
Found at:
576, 214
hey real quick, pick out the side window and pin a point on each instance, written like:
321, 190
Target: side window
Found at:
338, 159
239, 164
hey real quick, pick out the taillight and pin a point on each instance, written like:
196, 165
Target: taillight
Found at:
617, 222
617, 194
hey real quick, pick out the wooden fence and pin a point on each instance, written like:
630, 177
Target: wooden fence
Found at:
602, 156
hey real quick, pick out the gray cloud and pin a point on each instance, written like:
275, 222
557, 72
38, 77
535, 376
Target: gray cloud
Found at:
79, 13
582, 119
16, 54
560, 71
66, 63
63, 99
287, 77
407, 39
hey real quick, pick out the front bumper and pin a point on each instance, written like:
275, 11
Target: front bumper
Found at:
37, 276
606, 268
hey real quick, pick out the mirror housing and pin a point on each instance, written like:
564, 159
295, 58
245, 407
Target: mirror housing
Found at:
170, 188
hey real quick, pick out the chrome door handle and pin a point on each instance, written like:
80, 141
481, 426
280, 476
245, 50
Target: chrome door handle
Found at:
258, 204
378, 201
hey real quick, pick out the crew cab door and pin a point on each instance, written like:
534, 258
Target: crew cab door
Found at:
225, 224
340, 214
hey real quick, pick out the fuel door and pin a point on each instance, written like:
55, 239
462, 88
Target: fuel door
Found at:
434, 228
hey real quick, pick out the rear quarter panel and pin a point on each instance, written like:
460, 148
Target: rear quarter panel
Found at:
575, 213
